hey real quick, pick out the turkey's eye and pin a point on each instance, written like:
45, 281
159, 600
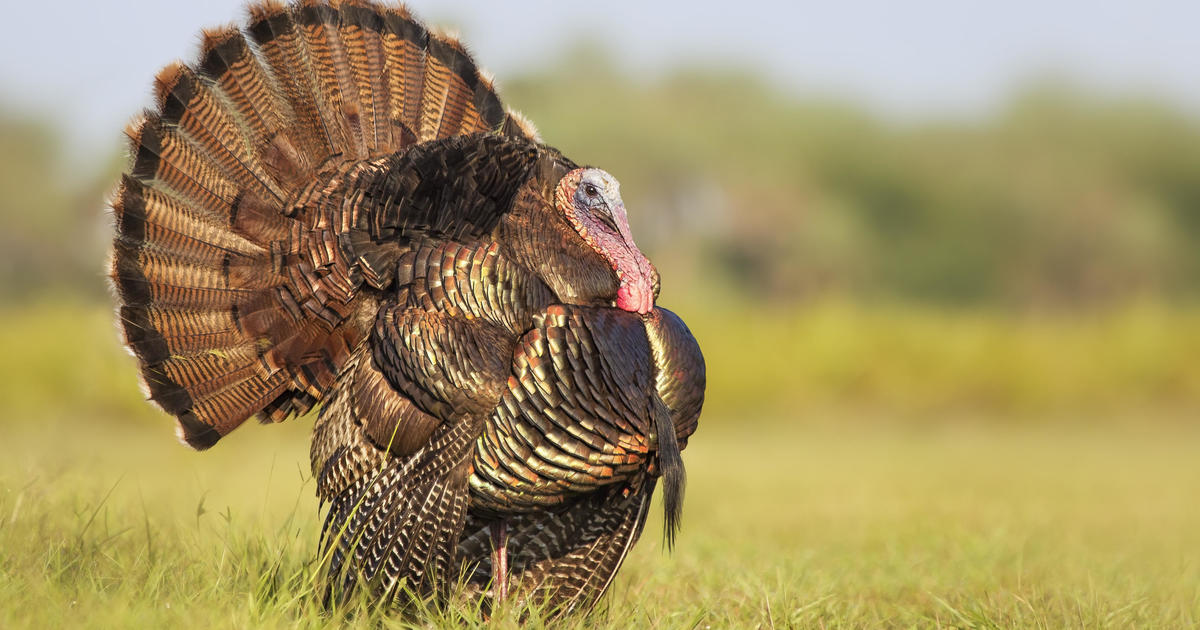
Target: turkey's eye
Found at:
591, 191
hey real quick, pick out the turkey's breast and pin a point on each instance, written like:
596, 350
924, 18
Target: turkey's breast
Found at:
576, 412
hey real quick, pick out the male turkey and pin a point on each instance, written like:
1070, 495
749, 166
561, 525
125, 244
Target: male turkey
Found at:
333, 206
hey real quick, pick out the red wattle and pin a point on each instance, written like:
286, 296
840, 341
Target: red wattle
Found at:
635, 297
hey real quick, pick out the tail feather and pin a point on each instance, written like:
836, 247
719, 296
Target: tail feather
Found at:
170, 270
238, 293
149, 217
151, 286
155, 333
361, 31
231, 406
328, 56
185, 102
444, 97
176, 165
274, 31
208, 373
404, 50
226, 58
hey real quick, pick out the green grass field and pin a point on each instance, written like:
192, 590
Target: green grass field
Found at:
822, 517
978, 528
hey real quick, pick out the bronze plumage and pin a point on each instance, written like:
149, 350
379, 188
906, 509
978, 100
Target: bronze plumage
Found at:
333, 206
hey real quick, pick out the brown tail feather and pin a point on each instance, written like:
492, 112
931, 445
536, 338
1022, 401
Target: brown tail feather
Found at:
186, 102
318, 24
151, 216
155, 333
237, 295
362, 33
226, 58
283, 50
164, 156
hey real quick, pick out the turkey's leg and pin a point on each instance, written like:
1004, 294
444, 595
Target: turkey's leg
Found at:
499, 531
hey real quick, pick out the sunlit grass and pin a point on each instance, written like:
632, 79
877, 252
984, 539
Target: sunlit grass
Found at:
857, 467
784, 527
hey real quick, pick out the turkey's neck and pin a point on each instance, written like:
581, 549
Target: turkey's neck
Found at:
539, 238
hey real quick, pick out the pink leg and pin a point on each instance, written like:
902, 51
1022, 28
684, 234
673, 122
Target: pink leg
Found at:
499, 531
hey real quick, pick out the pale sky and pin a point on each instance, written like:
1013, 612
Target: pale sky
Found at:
92, 62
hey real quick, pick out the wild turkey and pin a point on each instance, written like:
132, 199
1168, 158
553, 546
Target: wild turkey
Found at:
333, 206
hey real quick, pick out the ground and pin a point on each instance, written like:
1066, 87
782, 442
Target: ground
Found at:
847, 523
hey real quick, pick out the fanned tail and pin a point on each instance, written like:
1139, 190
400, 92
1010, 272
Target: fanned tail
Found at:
237, 298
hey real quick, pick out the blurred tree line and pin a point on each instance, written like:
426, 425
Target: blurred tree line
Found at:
53, 206
1061, 198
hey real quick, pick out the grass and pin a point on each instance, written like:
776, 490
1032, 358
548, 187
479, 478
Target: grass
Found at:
784, 527
1027, 472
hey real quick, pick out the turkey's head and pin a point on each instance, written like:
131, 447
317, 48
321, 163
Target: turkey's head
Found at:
590, 199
